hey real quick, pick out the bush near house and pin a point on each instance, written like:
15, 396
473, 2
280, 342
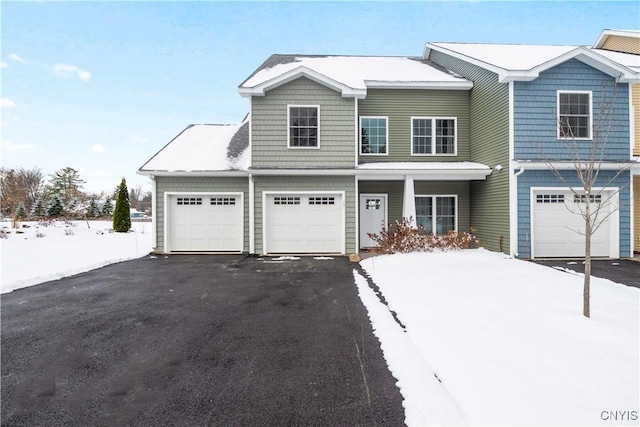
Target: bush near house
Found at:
405, 238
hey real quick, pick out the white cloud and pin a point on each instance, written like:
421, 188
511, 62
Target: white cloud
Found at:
98, 148
17, 58
66, 71
7, 103
10, 146
138, 140
4, 64
101, 173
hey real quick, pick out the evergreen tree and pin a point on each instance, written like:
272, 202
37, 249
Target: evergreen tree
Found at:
92, 210
21, 212
122, 213
38, 210
107, 208
66, 183
55, 208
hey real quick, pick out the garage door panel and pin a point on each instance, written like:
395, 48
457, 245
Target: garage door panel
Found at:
205, 223
304, 223
558, 227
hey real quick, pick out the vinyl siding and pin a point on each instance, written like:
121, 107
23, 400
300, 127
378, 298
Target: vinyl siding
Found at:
402, 104
635, 99
636, 213
302, 184
269, 127
622, 44
545, 178
535, 110
198, 185
489, 144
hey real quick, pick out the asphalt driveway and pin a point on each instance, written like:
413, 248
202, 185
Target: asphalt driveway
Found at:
623, 271
195, 340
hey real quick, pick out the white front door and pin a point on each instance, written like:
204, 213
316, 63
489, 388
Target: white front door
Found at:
373, 217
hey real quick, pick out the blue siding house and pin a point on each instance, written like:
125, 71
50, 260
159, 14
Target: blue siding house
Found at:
561, 102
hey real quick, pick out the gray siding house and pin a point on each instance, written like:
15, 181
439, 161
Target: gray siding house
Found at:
336, 147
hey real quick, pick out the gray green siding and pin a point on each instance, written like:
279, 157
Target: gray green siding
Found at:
395, 196
489, 114
198, 185
302, 184
269, 127
402, 104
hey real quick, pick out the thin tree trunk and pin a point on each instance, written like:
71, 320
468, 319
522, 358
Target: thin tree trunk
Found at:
586, 308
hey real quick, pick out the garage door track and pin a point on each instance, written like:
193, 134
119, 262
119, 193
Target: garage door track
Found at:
195, 340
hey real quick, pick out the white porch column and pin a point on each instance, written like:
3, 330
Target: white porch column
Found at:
409, 202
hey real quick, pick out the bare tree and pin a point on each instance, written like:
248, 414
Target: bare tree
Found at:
20, 186
596, 201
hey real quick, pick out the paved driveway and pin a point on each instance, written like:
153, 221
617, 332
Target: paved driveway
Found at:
623, 271
195, 340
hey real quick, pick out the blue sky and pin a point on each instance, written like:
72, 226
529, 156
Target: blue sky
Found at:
101, 87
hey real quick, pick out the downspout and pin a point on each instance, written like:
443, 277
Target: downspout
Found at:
154, 214
252, 248
514, 215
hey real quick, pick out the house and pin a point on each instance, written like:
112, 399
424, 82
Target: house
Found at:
627, 41
336, 147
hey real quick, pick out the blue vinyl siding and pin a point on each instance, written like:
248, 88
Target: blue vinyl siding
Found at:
544, 178
535, 109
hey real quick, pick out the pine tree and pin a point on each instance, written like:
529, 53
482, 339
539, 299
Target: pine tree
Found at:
21, 212
122, 213
55, 208
92, 210
38, 210
107, 208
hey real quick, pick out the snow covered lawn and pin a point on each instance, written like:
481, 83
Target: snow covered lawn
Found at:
28, 260
507, 340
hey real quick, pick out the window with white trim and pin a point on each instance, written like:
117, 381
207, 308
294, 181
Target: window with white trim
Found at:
288, 200
549, 198
189, 200
322, 200
304, 126
574, 115
582, 198
374, 134
433, 135
436, 214
223, 201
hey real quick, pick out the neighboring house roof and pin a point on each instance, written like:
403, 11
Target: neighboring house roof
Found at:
525, 62
352, 75
620, 33
203, 148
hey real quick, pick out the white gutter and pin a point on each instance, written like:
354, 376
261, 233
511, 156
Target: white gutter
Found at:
227, 173
568, 165
513, 205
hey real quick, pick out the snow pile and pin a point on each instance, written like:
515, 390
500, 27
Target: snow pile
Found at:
66, 250
507, 340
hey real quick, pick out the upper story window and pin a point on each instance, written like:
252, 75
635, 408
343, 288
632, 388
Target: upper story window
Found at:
304, 128
374, 134
433, 136
574, 115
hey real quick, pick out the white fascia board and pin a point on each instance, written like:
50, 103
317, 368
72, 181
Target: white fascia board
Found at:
302, 71
461, 85
229, 173
424, 175
632, 165
606, 33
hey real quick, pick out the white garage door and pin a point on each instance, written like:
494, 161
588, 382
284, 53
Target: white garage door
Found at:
558, 228
209, 223
304, 223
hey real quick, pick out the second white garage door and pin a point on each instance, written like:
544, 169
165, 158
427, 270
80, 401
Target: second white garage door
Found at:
558, 230
303, 223
205, 222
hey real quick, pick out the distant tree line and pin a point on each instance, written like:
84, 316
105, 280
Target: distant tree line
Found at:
28, 194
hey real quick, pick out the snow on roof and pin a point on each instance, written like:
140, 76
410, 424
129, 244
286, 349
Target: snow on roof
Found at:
355, 71
508, 56
204, 148
423, 166
629, 60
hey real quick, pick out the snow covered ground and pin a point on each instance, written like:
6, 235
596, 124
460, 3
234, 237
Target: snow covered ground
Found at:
28, 260
506, 339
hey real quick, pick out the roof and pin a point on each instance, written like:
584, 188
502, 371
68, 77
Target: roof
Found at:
203, 148
622, 33
352, 75
525, 62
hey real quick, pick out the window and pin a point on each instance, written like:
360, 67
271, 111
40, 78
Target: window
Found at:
372, 205
436, 214
373, 135
433, 135
574, 115
582, 198
222, 201
304, 126
189, 201
322, 200
286, 200
549, 198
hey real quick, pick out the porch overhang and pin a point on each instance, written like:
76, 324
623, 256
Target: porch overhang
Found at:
423, 171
